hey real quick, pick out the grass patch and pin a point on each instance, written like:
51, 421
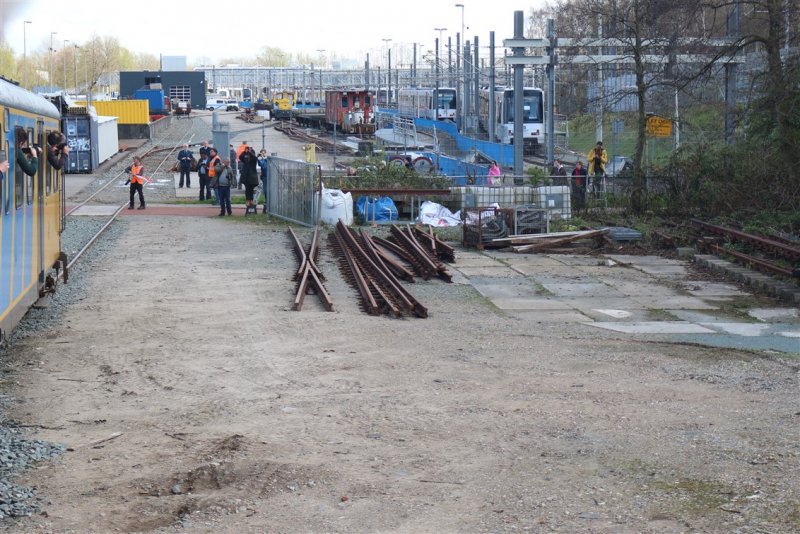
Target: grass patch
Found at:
692, 497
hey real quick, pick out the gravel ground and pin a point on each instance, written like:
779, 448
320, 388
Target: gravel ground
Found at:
220, 410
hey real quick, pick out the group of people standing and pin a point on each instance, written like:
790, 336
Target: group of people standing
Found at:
597, 158
243, 169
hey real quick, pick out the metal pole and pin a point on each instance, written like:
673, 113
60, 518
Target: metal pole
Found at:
389, 89
450, 62
366, 77
550, 133
467, 108
492, 111
25, 54
413, 67
75, 65
518, 88
64, 51
459, 87
50, 63
436, 90
476, 68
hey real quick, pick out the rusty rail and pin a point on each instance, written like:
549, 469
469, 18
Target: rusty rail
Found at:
747, 259
309, 276
776, 248
430, 264
374, 274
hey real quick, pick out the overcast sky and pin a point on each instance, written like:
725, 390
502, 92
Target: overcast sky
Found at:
206, 31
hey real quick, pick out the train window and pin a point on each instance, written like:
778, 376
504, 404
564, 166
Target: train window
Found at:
29, 179
367, 100
5, 119
5, 185
19, 183
345, 102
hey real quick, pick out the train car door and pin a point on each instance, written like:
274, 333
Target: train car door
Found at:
39, 194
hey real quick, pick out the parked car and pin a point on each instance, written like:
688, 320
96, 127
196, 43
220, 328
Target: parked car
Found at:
215, 104
231, 105
619, 166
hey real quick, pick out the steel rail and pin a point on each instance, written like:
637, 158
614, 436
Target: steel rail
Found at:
353, 272
752, 260
94, 238
778, 248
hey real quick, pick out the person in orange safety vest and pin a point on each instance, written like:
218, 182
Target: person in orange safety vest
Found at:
137, 181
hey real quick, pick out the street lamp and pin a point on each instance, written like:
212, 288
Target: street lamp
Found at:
388, 72
319, 92
25, 54
75, 66
64, 50
50, 62
462, 86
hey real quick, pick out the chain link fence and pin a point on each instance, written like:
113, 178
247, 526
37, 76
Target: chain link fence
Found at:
290, 190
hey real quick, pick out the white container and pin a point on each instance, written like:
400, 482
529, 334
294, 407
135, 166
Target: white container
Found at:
555, 199
335, 205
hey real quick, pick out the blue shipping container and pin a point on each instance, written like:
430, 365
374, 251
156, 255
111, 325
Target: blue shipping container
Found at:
155, 97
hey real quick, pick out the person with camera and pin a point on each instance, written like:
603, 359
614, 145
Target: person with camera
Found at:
597, 157
57, 150
27, 156
185, 158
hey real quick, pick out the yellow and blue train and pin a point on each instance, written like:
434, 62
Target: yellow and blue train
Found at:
31, 207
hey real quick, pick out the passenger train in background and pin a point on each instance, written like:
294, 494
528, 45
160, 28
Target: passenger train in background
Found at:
31, 207
532, 115
418, 102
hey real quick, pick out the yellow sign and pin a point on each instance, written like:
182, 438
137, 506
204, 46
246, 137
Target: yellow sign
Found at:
659, 127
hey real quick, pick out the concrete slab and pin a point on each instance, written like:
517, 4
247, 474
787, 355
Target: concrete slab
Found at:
532, 304
582, 290
642, 260
552, 316
694, 316
501, 271
591, 302
93, 211
653, 327
668, 271
75, 183
616, 314
640, 288
479, 261
792, 334
775, 315
617, 272
676, 302
532, 259
575, 260
703, 289
740, 329
498, 288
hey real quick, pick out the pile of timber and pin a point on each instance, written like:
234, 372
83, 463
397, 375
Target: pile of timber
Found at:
548, 241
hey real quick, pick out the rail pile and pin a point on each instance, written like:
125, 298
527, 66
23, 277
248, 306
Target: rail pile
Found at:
298, 134
308, 276
368, 264
780, 251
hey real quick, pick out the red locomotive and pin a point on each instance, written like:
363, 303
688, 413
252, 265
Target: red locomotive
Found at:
350, 110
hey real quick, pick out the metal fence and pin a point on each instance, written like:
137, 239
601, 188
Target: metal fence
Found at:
290, 190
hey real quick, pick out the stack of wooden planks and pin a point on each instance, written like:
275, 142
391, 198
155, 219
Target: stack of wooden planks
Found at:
540, 242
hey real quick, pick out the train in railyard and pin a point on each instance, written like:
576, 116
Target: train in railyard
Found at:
427, 103
532, 115
351, 111
31, 207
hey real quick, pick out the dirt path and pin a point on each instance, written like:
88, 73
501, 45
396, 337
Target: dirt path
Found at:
224, 411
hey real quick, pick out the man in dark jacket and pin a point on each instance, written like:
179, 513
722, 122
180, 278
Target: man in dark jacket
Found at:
185, 158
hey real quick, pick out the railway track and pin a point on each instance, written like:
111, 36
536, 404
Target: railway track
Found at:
776, 256
154, 158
